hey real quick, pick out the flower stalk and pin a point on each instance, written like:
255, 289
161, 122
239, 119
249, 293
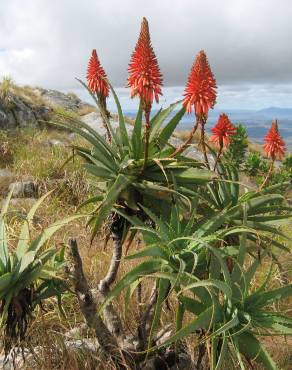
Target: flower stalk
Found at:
146, 136
185, 144
220, 151
97, 83
204, 149
274, 148
269, 174
145, 79
222, 132
200, 95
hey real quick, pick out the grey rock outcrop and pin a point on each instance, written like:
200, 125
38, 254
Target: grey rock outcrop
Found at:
27, 106
54, 98
20, 113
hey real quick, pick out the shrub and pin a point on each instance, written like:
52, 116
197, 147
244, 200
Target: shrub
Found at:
252, 165
287, 163
236, 152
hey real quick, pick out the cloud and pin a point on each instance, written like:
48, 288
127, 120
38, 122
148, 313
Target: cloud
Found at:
48, 43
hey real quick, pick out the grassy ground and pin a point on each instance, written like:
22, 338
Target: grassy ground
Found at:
28, 156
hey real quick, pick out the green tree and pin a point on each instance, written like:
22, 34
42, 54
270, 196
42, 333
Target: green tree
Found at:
238, 146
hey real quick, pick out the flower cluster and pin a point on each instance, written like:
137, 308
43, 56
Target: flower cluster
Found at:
96, 77
145, 79
222, 131
274, 145
200, 92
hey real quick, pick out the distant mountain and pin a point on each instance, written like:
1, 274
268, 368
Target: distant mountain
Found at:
276, 112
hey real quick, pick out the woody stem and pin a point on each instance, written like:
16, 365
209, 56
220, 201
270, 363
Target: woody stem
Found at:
105, 116
184, 145
268, 175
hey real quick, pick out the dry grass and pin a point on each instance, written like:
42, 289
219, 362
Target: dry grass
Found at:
86, 109
184, 135
26, 93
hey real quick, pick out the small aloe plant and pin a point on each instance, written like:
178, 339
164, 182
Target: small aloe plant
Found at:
28, 273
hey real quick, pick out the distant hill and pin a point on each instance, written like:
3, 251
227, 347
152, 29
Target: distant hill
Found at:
276, 112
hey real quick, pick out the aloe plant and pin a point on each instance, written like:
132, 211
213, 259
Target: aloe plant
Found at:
198, 228
28, 274
119, 169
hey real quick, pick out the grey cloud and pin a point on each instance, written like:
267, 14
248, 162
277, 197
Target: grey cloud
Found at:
49, 42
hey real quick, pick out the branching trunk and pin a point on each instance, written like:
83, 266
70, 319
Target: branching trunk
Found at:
111, 275
146, 319
113, 321
88, 302
123, 350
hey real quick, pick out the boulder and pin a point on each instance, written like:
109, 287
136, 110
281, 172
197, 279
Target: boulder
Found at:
6, 177
24, 189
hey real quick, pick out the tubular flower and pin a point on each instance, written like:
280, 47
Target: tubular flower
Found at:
200, 91
222, 131
274, 145
96, 77
144, 79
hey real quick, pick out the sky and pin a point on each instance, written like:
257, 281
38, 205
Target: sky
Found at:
248, 43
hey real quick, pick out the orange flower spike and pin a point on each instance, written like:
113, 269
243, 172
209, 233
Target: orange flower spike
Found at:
200, 91
96, 77
274, 145
145, 79
222, 131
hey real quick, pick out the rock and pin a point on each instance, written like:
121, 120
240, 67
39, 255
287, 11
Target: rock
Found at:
193, 152
4, 173
24, 189
94, 120
6, 177
14, 362
3, 117
56, 99
20, 113
54, 142
71, 136
85, 344
25, 106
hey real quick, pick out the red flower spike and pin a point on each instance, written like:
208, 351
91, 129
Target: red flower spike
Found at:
145, 79
274, 145
222, 131
200, 91
96, 77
